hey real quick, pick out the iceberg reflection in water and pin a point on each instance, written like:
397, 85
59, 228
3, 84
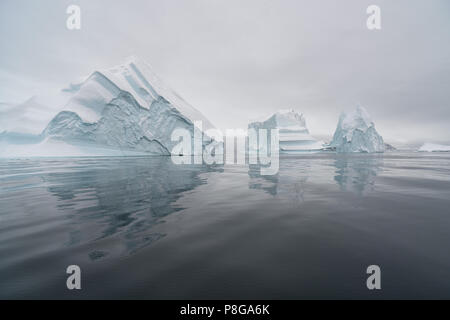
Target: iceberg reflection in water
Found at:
357, 172
99, 198
352, 172
143, 227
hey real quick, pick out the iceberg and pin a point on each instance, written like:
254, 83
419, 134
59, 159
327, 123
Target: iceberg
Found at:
356, 132
294, 136
433, 147
126, 109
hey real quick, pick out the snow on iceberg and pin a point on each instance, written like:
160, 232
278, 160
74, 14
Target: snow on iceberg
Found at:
433, 147
293, 134
134, 76
356, 132
125, 108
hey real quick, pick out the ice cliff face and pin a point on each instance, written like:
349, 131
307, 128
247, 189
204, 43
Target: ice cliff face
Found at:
127, 108
356, 132
293, 133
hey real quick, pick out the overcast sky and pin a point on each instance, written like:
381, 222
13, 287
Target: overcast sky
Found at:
239, 60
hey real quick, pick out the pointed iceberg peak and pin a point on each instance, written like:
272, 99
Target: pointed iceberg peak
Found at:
137, 77
361, 111
126, 108
357, 118
137, 63
134, 76
356, 132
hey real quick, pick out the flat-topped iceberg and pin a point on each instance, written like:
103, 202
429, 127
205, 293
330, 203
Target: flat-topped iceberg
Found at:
293, 134
433, 147
356, 132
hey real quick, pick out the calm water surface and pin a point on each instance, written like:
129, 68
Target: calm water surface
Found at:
146, 228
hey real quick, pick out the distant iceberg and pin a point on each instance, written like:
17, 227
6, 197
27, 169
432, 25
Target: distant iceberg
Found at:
293, 134
432, 147
123, 110
356, 132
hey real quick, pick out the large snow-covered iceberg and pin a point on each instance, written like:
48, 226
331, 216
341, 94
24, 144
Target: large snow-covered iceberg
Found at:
433, 147
126, 108
356, 132
293, 134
